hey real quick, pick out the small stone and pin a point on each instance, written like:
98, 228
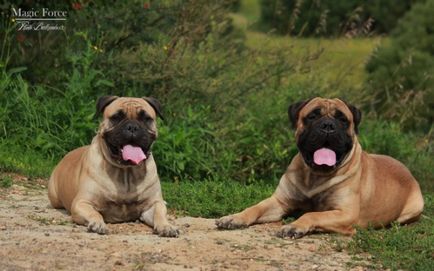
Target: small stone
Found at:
47, 234
311, 248
115, 254
119, 262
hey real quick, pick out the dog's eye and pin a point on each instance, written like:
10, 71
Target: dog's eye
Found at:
314, 114
120, 115
147, 119
144, 117
341, 117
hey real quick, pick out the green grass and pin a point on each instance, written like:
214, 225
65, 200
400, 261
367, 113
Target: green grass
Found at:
340, 62
27, 162
213, 199
251, 10
6, 182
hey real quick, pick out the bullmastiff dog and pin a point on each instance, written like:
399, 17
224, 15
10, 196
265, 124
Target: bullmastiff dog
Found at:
114, 179
332, 181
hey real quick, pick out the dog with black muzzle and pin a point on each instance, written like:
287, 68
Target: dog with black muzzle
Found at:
332, 181
114, 179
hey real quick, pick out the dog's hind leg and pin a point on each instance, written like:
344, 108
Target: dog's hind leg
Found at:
412, 209
52, 194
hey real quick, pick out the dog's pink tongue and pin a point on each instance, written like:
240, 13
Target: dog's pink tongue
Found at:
134, 154
324, 156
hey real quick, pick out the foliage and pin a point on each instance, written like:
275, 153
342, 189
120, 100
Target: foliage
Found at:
47, 119
331, 18
176, 55
401, 83
6, 181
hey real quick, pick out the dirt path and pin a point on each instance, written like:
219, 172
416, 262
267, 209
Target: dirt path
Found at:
34, 236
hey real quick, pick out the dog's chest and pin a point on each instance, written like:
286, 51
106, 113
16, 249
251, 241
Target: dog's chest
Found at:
322, 202
125, 200
318, 203
123, 208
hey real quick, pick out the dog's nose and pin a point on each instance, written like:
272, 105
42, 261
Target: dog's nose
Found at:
132, 127
328, 127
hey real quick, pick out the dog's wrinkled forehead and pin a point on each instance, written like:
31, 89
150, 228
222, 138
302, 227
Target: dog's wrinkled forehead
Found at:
328, 107
130, 106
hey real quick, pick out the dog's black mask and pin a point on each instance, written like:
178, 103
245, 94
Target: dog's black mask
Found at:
324, 132
326, 139
135, 132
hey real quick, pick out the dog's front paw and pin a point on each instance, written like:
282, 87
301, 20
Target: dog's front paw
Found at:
230, 222
166, 231
292, 232
97, 226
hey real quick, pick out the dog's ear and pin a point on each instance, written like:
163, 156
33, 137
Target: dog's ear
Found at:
294, 110
155, 104
357, 116
103, 102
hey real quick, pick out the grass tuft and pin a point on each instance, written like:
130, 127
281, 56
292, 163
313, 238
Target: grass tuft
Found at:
6, 181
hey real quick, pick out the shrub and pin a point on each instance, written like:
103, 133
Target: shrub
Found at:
331, 18
177, 51
401, 82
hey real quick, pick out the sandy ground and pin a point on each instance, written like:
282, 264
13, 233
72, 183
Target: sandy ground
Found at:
34, 236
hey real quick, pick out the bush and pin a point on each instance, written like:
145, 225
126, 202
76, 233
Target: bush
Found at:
401, 82
184, 55
332, 18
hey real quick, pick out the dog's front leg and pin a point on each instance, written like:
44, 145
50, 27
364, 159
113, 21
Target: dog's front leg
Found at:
156, 217
340, 221
84, 213
268, 210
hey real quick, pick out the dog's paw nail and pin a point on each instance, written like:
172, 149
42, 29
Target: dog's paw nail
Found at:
167, 231
291, 232
229, 223
222, 223
98, 227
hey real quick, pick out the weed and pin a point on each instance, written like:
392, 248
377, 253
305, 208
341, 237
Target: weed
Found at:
48, 221
6, 181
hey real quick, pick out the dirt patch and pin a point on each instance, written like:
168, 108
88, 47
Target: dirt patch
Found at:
37, 237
